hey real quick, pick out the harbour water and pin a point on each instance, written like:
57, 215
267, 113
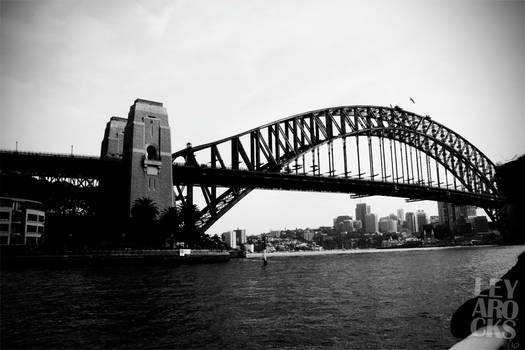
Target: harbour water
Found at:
382, 300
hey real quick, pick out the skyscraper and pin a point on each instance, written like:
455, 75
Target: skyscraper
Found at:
371, 223
411, 222
400, 215
240, 236
450, 214
421, 218
361, 209
229, 238
446, 214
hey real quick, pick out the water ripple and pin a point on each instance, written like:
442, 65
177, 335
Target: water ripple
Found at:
387, 300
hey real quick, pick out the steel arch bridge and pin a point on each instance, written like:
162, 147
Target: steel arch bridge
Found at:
361, 150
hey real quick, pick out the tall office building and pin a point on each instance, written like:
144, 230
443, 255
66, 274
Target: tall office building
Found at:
450, 214
400, 215
421, 218
371, 223
240, 236
446, 214
411, 222
229, 238
361, 210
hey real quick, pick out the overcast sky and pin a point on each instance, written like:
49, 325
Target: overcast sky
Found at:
222, 67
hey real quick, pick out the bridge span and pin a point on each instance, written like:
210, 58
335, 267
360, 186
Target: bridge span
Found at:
359, 150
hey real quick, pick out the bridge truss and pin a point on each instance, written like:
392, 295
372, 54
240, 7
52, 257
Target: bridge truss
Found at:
65, 183
361, 150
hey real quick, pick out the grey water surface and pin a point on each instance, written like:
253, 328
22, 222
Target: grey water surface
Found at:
383, 300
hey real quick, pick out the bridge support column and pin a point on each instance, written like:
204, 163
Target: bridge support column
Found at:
147, 151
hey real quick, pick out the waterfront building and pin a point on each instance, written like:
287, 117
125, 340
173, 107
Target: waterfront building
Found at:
240, 236
411, 223
361, 210
229, 238
21, 221
274, 234
370, 223
308, 235
387, 225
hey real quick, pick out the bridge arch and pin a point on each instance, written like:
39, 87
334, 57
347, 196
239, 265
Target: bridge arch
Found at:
271, 149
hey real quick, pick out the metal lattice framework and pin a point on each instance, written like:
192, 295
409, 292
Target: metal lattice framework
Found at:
78, 171
64, 182
76, 182
383, 150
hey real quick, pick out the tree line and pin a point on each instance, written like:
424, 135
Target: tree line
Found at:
174, 226
147, 228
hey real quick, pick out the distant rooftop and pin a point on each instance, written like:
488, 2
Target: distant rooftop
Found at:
148, 102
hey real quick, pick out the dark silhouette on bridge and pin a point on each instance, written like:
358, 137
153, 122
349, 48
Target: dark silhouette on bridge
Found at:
360, 150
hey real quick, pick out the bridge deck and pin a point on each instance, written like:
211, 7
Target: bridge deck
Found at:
282, 181
47, 164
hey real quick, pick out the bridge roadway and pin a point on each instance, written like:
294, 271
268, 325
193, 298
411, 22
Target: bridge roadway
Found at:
206, 176
58, 165
91, 167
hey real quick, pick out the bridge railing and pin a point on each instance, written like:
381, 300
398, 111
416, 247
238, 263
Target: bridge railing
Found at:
58, 155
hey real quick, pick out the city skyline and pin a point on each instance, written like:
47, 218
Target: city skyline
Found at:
414, 211
225, 68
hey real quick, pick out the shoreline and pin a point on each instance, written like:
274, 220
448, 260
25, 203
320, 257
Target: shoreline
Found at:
103, 258
358, 251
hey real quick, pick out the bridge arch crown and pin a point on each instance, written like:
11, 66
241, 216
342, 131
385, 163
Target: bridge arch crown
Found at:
389, 141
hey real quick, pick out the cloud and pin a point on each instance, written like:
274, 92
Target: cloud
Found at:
159, 20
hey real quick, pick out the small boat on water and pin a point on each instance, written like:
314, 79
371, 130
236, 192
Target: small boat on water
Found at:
265, 259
